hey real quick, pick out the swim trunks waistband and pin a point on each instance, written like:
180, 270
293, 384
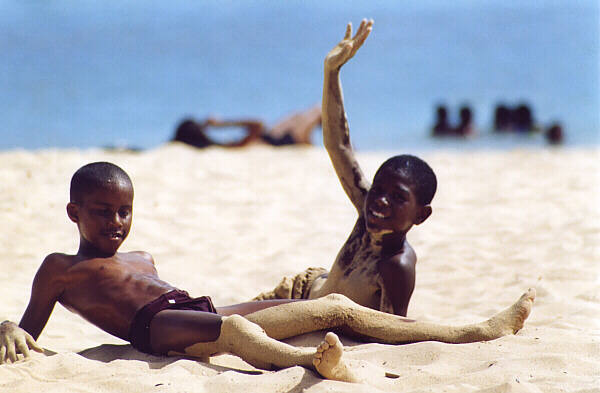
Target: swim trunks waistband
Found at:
139, 331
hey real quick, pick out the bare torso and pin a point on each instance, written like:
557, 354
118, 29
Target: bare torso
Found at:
108, 291
355, 272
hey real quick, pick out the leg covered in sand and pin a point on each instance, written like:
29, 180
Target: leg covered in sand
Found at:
255, 337
338, 312
250, 342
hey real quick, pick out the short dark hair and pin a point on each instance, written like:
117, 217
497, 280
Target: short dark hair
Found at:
95, 175
417, 171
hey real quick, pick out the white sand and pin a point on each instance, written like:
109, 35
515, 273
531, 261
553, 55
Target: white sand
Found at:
230, 223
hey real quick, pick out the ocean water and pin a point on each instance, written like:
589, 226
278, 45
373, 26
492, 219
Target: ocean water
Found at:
85, 74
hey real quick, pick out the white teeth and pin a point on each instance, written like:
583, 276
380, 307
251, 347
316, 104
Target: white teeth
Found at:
377, 214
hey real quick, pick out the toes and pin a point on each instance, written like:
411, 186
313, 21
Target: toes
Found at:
331, 339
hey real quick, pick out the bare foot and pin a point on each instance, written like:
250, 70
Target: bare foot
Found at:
512, 319
328, 360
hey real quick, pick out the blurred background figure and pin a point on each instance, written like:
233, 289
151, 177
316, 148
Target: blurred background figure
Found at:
518, 119
502, 118
465, 126
292, 130
441, 126
554, 134
523, 118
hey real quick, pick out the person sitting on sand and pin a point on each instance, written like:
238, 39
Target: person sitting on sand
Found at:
376, 266
122, 294
294, 129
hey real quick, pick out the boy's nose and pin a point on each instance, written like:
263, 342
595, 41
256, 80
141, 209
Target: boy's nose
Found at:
115, 220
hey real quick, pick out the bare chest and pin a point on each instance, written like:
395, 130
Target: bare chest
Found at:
355, 273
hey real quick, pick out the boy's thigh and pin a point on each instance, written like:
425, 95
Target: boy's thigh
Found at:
175, 330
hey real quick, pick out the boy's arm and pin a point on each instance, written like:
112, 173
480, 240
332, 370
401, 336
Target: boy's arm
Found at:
397, 280
46, 289
336, 135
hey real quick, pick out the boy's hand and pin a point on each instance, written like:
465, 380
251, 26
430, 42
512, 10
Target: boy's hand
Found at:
347, 47
15, 340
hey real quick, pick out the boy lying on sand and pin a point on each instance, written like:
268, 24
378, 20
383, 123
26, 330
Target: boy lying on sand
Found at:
122, 294
376, 266
293, 129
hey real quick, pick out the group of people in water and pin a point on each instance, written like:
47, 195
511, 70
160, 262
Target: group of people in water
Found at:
507, 119
365, 294
442, 126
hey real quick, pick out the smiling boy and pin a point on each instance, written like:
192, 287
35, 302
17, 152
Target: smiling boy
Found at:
376, 266
122, 294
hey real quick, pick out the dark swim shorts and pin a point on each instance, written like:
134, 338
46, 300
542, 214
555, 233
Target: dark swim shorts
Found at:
283, 140
139, 331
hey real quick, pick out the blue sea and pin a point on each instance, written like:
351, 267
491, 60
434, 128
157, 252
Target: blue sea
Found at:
97, 73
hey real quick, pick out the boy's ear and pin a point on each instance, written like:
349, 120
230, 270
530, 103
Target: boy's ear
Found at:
423, 214
73, 212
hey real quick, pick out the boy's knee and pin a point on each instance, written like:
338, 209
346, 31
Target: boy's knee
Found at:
339, 299
235, 324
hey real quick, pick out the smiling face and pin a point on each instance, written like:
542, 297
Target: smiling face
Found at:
103, 217
391, 204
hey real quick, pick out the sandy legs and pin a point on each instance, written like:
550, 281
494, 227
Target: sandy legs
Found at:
337, 311
248, 341
245, 337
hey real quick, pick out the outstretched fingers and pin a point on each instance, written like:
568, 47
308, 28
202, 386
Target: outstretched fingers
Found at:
365, 28
346, 48
348, 34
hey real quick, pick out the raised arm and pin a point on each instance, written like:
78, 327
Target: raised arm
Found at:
336, 135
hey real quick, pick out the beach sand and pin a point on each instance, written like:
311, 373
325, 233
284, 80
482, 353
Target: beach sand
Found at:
231, 223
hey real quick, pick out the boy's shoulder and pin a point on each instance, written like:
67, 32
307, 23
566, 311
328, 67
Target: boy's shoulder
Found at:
54, 266
58, 260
